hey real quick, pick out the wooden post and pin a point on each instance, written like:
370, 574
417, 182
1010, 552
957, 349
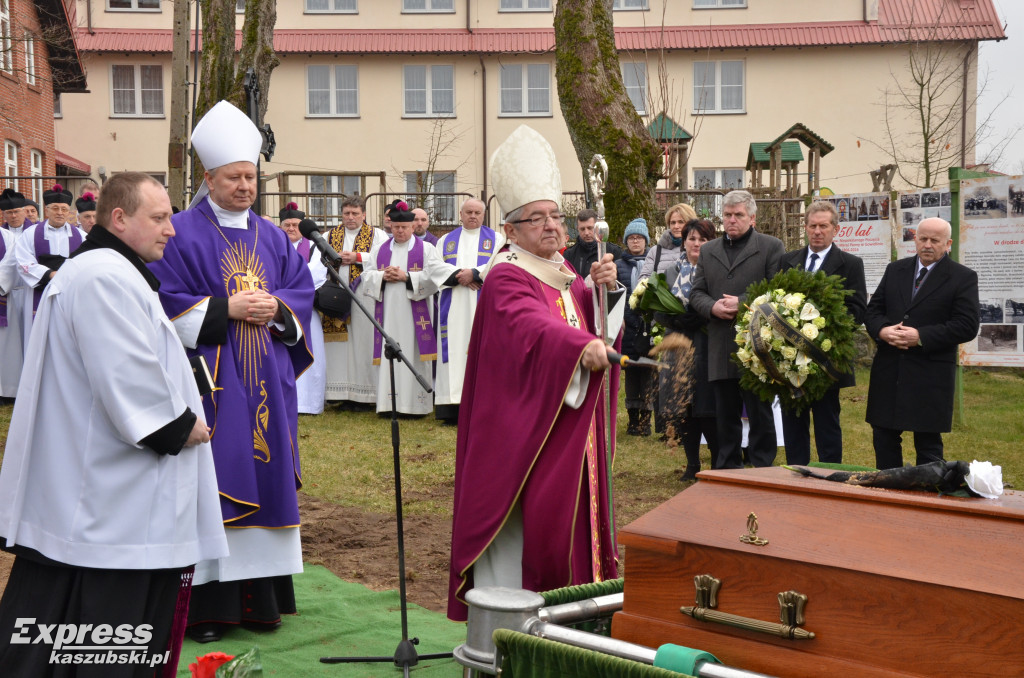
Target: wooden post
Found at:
177, 146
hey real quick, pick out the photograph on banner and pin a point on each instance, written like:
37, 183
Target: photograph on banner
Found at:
913, 207
992, 244
864, 230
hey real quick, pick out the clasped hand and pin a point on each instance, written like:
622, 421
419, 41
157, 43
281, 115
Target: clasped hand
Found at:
253, 306
394, 274
900, 336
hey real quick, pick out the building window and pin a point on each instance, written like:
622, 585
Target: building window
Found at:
36, 170
333, 6
703, 4
525, 90
634, 77
332, 91
30, 58
718, 87
325, 208
711, 179
629, 4
441, 208
428, 5
137, 91
6, 59
525, 6
239, 6
58, 112
134, 5
429, 91
11, 163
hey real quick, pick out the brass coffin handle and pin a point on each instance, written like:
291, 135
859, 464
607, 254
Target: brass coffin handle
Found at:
791, 612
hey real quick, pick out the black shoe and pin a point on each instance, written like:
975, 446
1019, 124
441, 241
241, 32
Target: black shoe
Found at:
209, 632
689, 474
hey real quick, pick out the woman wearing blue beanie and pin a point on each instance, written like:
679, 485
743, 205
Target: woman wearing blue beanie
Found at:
636, 340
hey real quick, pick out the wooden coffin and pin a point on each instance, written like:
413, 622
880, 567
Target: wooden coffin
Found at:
895, 583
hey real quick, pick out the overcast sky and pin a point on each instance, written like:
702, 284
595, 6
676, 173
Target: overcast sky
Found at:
1002, 61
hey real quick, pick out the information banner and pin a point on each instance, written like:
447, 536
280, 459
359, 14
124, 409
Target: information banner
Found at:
992, 244
865, 230
913, 207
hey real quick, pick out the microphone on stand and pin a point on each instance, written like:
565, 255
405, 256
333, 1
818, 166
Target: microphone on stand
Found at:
309, 230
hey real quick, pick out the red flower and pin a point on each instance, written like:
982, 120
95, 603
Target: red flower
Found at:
207, 665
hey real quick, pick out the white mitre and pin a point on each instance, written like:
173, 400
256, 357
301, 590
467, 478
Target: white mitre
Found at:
525, 169
223, 136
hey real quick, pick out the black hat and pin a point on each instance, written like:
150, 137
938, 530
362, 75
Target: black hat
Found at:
87, 203
394, 203
57, 194
11, 199
31, 202
291, 211
401, 213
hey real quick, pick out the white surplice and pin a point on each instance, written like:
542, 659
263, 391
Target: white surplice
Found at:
310, 386
351, 374
451, 374
398, 322
31, 270
106, 363
11, 353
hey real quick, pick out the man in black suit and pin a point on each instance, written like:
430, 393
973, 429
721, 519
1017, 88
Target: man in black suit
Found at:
726, 267
923, 309
822, 222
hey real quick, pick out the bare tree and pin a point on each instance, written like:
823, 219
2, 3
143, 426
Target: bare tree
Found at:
444, 138
931, 95
598, 111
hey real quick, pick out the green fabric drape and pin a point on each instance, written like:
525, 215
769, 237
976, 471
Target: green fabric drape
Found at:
529, 657
571, 594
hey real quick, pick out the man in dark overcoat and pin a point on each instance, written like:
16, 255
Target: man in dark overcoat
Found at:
725, 268
821, 222
924, 308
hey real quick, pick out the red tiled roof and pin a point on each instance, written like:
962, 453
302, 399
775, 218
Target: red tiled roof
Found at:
74, 163
898, 21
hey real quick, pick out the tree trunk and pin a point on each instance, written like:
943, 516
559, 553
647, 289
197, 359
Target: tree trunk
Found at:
258, 49
599, 114
179, 108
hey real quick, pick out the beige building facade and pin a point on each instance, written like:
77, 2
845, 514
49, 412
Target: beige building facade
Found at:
406, 95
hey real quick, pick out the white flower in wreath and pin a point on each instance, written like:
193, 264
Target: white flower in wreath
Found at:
797, 379
744, 355
792, 302
765, 333
809, 331
789, 353
826, 345
808, 312
747, 316
778, 293
760, 300
801, 359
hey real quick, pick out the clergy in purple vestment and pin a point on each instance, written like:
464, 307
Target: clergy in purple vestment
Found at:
531, 473
241, 296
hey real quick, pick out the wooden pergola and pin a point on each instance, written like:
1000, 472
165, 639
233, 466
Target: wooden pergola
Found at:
674, 142
782, 155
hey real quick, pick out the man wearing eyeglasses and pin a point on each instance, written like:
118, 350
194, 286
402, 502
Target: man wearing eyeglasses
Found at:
531, 491
41, 249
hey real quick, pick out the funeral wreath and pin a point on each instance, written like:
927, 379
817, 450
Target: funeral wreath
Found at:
652, 295
795, 337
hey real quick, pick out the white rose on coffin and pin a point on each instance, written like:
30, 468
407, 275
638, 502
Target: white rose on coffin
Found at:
985, 479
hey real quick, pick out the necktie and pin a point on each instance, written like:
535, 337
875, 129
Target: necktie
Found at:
814, 262
920, 277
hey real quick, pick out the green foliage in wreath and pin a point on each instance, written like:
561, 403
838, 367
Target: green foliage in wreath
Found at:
820, 331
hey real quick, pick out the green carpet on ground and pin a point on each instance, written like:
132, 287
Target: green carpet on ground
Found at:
337, 618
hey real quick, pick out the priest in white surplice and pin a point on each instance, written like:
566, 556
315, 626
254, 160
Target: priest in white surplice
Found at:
108, 491
348, 344
470, 249
400, 275
41, 249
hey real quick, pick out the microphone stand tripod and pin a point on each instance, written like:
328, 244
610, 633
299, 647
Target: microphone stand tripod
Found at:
405, 654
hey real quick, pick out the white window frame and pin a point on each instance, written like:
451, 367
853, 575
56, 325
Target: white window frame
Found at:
36, 170
11, 162
699, 107
713, 203
523, 6
134, 8
239, 6
6, 51
334, 9
524, 90
429, 7
429, 92
630, 5
639, 69
325, 207
30, 58
58, 106
719, 4
137, 89
442, 209
333, 91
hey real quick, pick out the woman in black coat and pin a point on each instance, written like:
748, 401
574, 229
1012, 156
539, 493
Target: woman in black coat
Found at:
636, 341
687, 422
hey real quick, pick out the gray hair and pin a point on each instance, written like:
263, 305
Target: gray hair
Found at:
514, 215
740, 197
822, 206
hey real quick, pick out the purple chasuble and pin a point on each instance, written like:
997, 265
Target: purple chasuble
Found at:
42, 247
519, 443
425, 342
451, 256
254, 414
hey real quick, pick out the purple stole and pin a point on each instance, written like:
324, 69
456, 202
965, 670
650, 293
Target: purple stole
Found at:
43, 248
451, 256
425, 341
303, 249
3, 299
